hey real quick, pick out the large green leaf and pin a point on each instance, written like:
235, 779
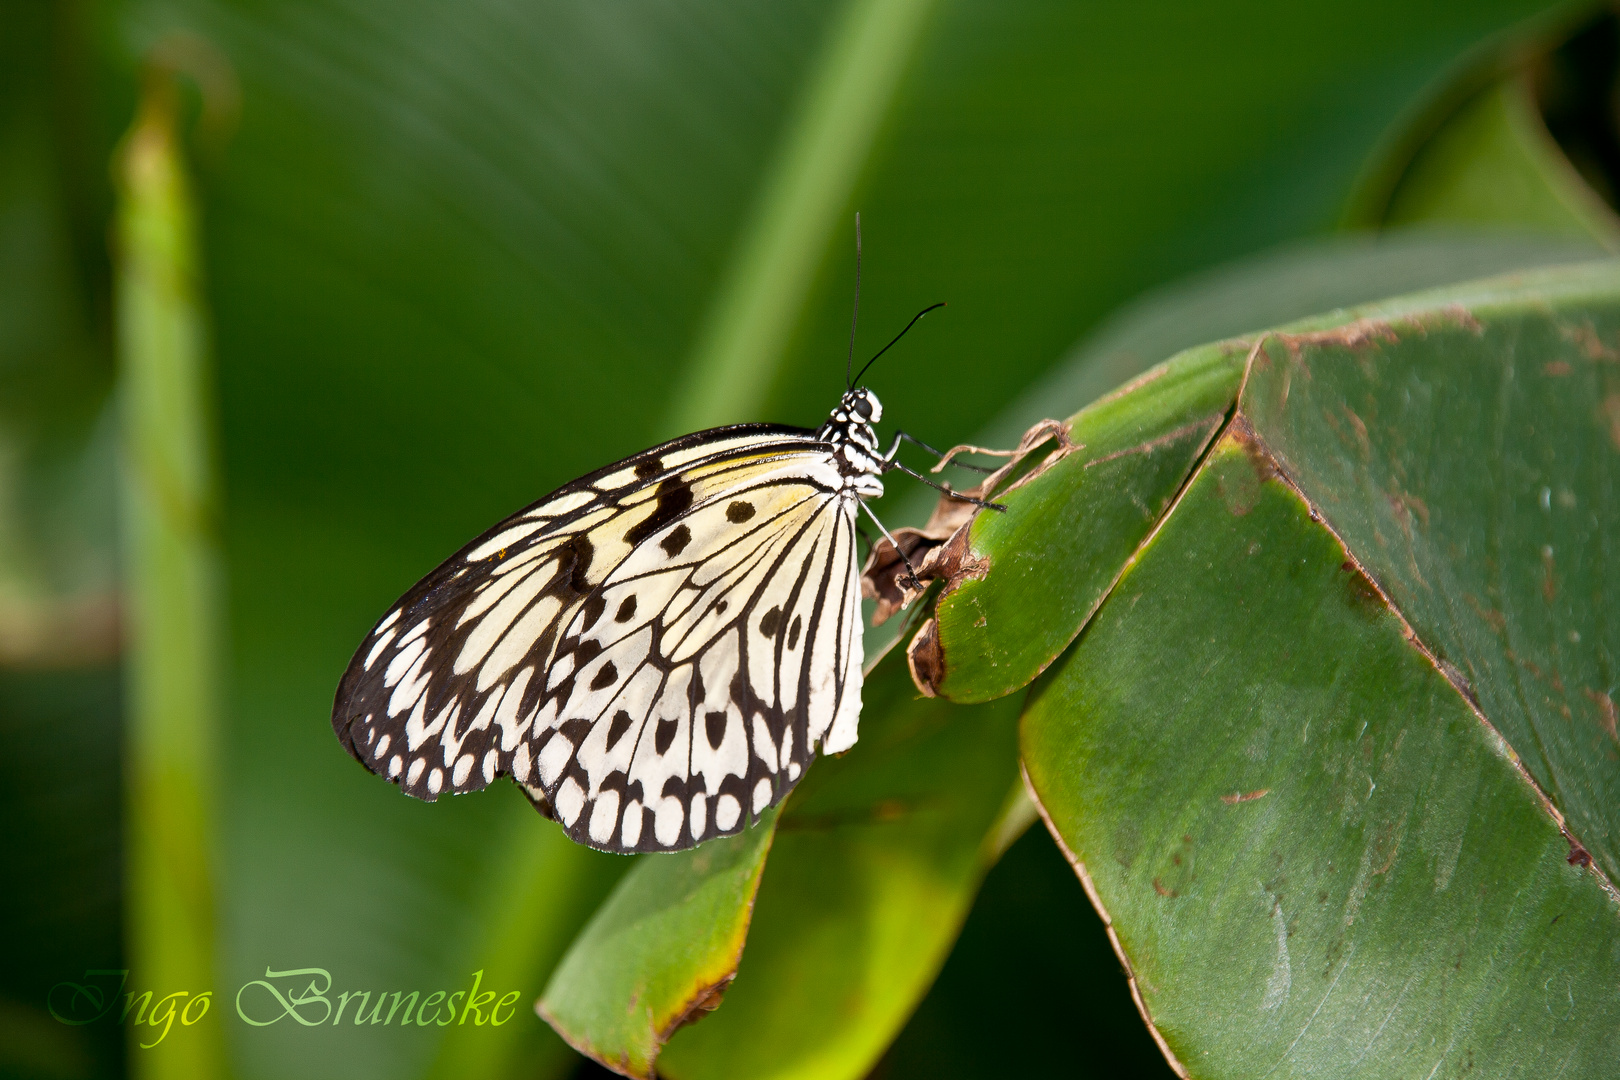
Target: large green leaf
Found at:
1317, 859
1498, 556
1024, 920
1328, 833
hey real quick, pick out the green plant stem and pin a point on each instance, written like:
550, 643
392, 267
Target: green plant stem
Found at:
171, 563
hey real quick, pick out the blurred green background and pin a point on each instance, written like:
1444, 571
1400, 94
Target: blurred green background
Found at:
455, 254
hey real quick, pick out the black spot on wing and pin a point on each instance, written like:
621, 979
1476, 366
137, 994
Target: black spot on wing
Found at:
648, 467
771, 622
627, 610
714, 726
592, 611
676, 541
575, 731
664, 735
576, 563
739, 512
793, 631
621, 724
606, 676
674, 499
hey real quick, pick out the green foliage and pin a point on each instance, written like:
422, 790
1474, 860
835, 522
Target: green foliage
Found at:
1247, 664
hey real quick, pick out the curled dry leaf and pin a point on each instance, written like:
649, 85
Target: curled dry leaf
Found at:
940, 550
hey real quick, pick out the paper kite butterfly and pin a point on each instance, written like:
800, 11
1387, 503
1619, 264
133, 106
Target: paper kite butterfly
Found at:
655, 652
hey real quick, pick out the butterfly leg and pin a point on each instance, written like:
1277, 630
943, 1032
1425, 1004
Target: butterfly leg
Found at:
911, 571
894, 448
944, 487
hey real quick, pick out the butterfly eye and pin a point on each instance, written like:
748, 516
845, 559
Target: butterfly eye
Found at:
864, 407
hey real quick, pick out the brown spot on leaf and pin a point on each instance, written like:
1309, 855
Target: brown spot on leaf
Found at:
1240, 491
1455, 676
1360, 427
1364, 595
1611, 415
1610, 716
1405, 504
1202, 428
1496, 619
1578, 856
1247, 796
1168, 894
1585, 338
1556, 369
1353, 335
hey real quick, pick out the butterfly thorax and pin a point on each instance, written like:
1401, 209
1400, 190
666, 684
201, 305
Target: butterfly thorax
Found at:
855, 444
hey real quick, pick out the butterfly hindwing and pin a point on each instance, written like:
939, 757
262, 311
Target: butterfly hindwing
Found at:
605, 645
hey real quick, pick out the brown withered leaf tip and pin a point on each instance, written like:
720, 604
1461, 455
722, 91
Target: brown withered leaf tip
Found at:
940, 550
926, 660
705, 1001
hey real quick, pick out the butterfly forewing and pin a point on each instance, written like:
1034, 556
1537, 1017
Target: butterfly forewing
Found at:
653, 651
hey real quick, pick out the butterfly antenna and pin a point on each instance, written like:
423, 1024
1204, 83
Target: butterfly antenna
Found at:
897, 337
849, 360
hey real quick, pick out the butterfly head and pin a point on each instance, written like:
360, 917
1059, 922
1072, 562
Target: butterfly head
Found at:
852, 420
849, 430
859, 405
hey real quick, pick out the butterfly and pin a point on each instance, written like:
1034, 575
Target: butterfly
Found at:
655, 652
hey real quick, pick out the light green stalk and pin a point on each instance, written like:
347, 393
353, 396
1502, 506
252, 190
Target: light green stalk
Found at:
171, 562
801, 200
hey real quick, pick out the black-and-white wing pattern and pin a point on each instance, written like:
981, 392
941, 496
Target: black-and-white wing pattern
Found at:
655, 652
